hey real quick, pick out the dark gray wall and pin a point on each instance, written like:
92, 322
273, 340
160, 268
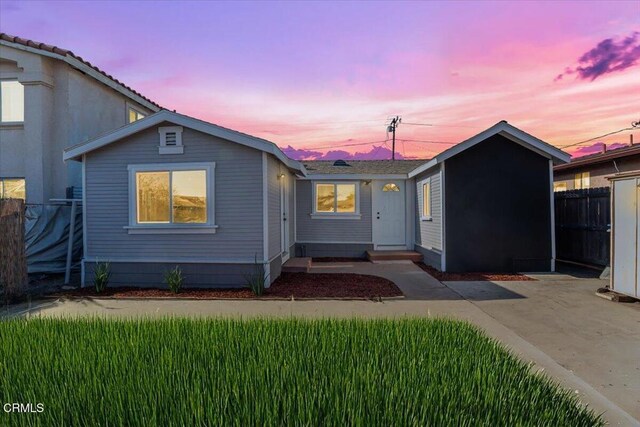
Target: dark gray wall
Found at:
497, 207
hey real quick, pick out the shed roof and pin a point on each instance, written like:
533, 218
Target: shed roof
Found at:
361, 167
78, 63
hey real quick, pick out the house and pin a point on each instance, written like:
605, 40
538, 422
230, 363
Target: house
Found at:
591, 171
170, 189
52, 99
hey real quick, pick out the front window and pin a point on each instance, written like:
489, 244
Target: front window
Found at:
135, 115
582, 180
12, 188
172, 195
11, 101
335, 198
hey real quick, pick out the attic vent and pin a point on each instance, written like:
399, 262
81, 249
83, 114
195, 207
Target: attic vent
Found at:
170, 140
340, 163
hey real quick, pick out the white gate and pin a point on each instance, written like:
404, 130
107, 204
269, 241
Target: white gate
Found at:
626, 235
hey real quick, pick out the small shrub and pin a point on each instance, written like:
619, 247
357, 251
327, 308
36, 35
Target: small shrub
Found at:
257, 279
102, 274
173, 278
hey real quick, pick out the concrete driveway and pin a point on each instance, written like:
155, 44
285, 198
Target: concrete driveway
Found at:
587, 344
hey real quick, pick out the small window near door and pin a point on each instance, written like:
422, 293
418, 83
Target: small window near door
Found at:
390, 187
426, 200
582, 180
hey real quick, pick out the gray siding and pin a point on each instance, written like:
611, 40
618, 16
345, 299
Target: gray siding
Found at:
333, 249
331, 230
291, 217
274, 168
238, 200
429, 233
430, 257
275, 268
151, 274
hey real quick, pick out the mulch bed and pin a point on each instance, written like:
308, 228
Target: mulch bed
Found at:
288, 285
472, 277
338, 259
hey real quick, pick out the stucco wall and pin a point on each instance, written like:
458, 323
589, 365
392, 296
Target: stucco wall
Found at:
63, 107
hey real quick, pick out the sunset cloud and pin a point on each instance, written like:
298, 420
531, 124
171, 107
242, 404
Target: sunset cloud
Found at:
607, 57
375, 153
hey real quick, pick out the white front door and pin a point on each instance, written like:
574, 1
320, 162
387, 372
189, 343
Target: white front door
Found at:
389, 217
284, 221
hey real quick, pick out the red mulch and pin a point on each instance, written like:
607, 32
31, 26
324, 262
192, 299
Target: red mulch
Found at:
298, 285
472, 277
338, 259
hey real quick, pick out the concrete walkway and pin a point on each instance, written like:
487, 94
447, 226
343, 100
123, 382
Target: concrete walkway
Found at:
586, 344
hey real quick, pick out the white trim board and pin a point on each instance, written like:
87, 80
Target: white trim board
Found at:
508, 131
72, 153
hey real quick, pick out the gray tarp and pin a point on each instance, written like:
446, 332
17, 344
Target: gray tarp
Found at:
47, 237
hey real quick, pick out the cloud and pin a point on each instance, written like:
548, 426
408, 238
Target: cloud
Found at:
607, 57
595, 148
375, 153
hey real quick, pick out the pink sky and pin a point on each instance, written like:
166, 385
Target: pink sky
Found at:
322, 76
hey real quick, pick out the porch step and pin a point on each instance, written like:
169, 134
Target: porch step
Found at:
297, 265
394, 256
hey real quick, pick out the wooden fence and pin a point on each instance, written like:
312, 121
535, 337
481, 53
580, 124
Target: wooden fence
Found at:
583, 220
13, 261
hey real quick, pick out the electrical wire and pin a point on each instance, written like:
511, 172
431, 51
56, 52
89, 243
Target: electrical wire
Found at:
343, 145
597, 137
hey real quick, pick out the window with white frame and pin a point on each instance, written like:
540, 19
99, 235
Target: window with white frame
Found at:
170, 140
171, 195
12, 188
134, 115
426, 200
335, 198
11, 101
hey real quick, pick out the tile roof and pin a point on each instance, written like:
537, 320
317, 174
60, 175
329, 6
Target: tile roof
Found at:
67, 53
317, 167
616, 153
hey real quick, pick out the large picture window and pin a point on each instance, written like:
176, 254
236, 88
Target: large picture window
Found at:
171, 196
335, 198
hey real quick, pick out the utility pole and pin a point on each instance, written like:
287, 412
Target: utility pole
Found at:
392, 128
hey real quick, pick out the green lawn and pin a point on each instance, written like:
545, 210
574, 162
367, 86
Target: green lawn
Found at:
182, 372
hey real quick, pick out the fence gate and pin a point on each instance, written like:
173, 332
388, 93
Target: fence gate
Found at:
583, 219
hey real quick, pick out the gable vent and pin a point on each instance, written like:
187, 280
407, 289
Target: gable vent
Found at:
340, 163
171, 138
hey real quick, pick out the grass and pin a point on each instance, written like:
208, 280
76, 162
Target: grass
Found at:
177, 372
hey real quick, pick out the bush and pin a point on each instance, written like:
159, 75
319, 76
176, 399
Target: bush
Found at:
102, 274
257, 280
173, 278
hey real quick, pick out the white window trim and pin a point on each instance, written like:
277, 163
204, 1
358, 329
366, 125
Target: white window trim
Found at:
136, 109
163, 148
13, 124
207, 228
335, 215
424, 217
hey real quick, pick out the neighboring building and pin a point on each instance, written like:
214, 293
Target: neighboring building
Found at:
52, 99
170, 189
591, 171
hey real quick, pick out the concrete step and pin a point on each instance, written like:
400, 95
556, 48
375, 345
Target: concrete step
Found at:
394, 256
297, 265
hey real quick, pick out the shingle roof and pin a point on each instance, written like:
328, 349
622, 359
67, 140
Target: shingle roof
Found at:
616, 153
356, 167
67, 53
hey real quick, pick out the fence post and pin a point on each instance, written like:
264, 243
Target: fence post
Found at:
72, 231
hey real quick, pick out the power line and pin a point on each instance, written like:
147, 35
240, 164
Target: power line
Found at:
597, 137
343, 145
429, 141
438, 125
